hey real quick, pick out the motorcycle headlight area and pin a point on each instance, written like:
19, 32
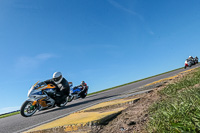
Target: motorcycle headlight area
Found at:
32, 94
37, 95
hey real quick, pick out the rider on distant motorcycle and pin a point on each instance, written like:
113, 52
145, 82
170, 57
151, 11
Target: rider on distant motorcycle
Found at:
61, 84
83, 86
190, 58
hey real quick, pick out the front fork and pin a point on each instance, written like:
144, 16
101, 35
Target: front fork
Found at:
33, 105
37, 102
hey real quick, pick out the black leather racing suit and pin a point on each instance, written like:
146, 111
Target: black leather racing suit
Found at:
62, 88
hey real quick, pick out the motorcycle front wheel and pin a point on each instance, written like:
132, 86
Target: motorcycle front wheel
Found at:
27, 110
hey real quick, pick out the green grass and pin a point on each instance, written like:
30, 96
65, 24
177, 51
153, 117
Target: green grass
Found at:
132, 82
179, 111
3, 116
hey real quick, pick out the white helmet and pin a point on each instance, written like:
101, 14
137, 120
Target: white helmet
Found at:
57, 77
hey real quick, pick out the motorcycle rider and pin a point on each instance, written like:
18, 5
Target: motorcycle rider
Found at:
196, 59
190, 58
83, 85
62, 86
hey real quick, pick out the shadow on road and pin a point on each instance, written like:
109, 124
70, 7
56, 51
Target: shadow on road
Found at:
75, 104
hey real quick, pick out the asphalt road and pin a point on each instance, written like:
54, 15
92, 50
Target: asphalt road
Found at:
17, 123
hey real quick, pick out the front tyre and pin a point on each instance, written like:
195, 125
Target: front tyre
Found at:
27, 109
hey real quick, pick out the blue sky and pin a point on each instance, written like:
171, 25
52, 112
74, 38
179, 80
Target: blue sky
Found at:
104, 42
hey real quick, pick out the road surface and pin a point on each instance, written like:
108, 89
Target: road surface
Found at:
17, 123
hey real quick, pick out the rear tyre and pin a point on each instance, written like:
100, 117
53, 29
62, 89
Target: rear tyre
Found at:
83, 95
27, 110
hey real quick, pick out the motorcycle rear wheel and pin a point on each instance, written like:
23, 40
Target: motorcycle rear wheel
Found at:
26, 110
83, 95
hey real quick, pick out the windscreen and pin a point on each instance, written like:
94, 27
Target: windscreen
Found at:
40, 84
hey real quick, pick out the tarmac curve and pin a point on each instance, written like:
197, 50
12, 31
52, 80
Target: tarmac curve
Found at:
18, 124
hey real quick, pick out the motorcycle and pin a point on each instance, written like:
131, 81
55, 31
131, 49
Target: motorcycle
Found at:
196, 60
78, 92
42, 96
188, 63
193, 61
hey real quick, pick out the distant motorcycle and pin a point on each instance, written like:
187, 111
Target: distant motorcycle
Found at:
78, 92
188, 63
196, 60
41, 96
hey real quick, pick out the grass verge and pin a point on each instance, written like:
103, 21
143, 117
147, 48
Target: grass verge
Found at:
6, 115
132, 82
179, 110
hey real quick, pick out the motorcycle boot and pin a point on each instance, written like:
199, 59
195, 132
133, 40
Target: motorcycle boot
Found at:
71, 97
